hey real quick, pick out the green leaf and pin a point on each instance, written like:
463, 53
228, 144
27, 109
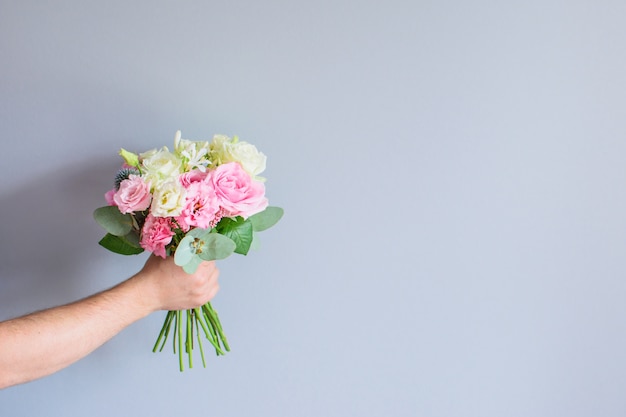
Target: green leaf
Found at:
266, 219
133, 238
255, 241
114, 222
184, 252
202, 245
191, 266
217, 246
199, 233
119, 245
239, 230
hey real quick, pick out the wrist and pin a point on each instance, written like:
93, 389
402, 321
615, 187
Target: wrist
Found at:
141, 294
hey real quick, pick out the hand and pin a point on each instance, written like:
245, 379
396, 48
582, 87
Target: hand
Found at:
166, 286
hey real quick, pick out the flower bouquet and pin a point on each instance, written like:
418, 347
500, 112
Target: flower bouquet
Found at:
201, 202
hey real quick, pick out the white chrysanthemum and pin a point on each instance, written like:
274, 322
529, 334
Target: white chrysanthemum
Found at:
195, 154
225, 150
161, 165
168, 199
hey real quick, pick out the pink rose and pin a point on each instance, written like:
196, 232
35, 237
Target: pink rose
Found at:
133, 195
192, 176
237, 192
201, 206
109, 197
156, 234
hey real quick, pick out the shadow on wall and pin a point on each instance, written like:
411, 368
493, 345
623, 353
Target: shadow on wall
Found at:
48, 235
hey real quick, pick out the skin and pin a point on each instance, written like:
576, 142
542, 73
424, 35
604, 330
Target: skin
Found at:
42, 343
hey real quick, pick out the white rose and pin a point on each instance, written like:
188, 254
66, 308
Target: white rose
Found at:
160, 165
195, 154
168, 199
225, 150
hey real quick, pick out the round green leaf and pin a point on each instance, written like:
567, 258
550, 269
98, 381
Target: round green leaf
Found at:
266, 219
114, 222
216, 246
191, 266
184, 252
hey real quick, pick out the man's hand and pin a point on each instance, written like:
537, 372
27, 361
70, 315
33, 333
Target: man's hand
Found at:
166, 286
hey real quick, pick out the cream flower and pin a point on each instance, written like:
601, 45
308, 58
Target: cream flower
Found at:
168, 199
195, 154
225, 150
160, 165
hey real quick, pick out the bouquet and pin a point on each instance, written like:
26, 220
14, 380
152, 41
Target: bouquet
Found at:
203, 201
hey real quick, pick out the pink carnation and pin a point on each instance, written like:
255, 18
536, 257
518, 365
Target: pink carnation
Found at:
156, 234
133, 195
237, 192
201, 206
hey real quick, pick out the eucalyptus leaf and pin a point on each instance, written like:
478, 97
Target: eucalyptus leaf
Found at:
199, 232
191, 266
114, 222
120, 245
184, 252
266, 219
239, 230
255, 241
202, 245
133, 238
216, 246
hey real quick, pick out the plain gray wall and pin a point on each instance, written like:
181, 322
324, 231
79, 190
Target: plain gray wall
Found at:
453, 177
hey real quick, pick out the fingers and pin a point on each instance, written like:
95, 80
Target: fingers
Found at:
206, 276
213, 283
212, 293
169, 287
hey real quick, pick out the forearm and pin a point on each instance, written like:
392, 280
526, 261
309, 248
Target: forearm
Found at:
42, 343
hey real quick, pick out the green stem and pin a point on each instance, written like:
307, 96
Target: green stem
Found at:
205, 317
218, 325
212, 328
164, 331
179, 326
189, 339
208, 330
169, 325
198, 318
199, 339
175, 331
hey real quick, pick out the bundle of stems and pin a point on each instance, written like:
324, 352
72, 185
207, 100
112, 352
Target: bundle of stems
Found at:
188, 322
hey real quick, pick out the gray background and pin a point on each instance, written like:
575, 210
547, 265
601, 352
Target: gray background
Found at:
453, 177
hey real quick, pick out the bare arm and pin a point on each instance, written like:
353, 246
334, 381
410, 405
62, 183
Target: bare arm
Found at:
41, 343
